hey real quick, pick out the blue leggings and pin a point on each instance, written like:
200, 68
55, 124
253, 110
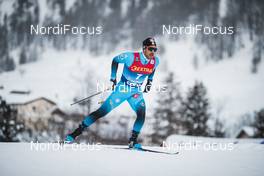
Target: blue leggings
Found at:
118, 96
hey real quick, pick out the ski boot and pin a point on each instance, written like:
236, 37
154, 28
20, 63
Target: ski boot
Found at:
69, 139
133, 143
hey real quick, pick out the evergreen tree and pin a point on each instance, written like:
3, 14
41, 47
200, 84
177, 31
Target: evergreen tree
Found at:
9, 64
218, 130
23, 57
9, 125
166, 116
195, 111
259, 123
3, 43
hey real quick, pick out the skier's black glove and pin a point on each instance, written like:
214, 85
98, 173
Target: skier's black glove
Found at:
114, 83
148, 86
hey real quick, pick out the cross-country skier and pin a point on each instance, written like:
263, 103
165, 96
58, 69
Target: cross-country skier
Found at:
137, 66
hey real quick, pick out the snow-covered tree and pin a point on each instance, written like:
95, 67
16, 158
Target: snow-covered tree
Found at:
166, 115
195, 111
9, 125
259, 123
23, 57
9, 64
218, 128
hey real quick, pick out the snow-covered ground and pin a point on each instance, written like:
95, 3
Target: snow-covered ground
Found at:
23, 159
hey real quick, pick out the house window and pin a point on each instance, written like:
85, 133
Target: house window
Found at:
34, 108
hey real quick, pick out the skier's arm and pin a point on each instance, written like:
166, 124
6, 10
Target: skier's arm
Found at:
113, 73
149, 82
150, 77
114, 68
122, 58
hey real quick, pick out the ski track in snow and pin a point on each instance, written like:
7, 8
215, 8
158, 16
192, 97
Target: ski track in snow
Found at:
17, 159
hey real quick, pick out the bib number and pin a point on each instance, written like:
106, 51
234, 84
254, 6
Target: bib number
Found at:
138, 76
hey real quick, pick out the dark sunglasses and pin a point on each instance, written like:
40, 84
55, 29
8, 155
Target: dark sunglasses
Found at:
152, 49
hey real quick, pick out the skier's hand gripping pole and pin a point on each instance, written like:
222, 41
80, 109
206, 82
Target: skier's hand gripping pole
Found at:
112, 87
148, 86
114, 83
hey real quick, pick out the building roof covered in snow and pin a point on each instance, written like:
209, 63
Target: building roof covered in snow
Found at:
246, 132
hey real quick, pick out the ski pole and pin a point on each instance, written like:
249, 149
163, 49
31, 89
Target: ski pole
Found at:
79, 101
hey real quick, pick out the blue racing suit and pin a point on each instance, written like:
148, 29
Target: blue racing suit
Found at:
136, 68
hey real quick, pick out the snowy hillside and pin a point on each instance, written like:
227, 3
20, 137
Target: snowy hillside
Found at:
24, 160
230, 83
57, 76
63, 76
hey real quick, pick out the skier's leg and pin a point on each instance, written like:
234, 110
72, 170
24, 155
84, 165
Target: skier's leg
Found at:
115, 99
138, 105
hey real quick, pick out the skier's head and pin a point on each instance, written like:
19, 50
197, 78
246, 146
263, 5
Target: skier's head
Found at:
149, 47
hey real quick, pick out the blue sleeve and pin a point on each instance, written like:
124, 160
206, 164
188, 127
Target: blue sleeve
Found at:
150, 77
124, 58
